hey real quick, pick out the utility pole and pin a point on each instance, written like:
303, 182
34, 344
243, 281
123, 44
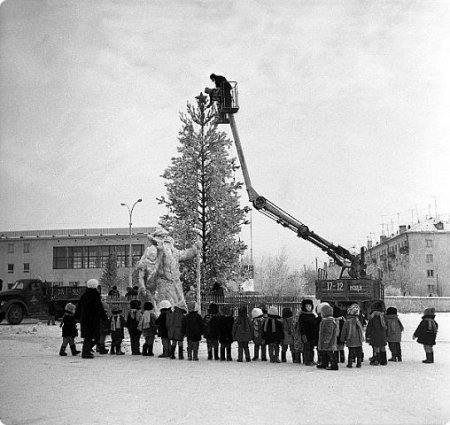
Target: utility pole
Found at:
130, 255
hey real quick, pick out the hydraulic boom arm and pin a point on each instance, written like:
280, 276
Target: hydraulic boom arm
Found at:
346, 260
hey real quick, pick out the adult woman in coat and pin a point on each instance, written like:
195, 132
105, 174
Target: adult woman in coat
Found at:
90, 311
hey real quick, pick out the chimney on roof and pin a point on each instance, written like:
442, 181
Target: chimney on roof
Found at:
439, 225
402, 228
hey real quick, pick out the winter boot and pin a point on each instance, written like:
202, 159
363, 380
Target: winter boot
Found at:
399, 357
195, 355
430, 358
255, 353
383, 358
283, 356
334, 361
62, 351
210, 354
392, 359
172, 352
358, 361
145, 349
189, 354
74, 350
216, 353
150, 350
342, 356
180, 353
323, 360
112, 349
102, 349
374, 360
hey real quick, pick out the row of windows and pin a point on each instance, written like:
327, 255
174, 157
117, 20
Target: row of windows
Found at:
91, 257
26, 248
26, 268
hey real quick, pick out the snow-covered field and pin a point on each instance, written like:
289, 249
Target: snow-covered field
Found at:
40, 387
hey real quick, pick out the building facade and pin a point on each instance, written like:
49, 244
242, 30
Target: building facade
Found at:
68, 256
414, 261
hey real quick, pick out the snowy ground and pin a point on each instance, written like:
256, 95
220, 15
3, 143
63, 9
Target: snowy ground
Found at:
40, 387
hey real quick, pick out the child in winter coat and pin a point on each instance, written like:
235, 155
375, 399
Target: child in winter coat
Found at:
288, 330
352, 335
192, 327
308, 327
212, 331
69, 330
242, 333
117, 324
176, 335
104, 331
226, 321
394, 329
376, 334
258, 341
163, 328
147, 325
133, 319
327, 345
426, 333
338, 314
273, 334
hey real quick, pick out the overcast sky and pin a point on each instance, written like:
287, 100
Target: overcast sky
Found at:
344, 113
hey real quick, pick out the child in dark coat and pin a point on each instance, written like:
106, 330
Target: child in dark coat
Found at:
133, 319
163, 329
117, 324
327, 345
226, 321
426, 333
308, 327
175, 323
258, 340
192, 327
339, 315
352, 334
394, 329
212, 331
69, 330
288, 330
242, 333
376, 334
147, 325
273, 334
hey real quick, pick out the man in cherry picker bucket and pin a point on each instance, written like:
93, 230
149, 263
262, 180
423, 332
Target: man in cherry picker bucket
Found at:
223, 89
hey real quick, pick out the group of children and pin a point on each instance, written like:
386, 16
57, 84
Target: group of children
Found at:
328, 332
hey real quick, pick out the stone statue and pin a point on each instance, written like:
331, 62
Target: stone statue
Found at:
159, 271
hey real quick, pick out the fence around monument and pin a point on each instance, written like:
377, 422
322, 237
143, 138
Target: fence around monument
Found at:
407, 304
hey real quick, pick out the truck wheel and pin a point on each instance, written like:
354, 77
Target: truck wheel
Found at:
14, 314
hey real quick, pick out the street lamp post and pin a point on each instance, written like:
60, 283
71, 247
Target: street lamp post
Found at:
130, 256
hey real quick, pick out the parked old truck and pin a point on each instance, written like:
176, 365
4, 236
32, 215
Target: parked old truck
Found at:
30, 298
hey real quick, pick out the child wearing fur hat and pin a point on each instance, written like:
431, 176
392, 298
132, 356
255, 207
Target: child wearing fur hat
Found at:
394, 329
147, 325
163, 329
327, 345
192, 327
226, 321
288, 330
376, 334
352, 335
69, 330
258, 341
242, 333
273, 334
212, 331
133, 318
117, 324
426, 333
308, 327
175, 324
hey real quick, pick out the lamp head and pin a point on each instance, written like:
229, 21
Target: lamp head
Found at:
139, 200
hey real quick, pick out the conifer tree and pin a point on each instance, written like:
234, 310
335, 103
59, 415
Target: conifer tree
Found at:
203, 197
109, 276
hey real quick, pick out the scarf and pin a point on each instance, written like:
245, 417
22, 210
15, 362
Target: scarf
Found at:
116, 322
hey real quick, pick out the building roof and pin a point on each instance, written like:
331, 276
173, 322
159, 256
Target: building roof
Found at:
106, 231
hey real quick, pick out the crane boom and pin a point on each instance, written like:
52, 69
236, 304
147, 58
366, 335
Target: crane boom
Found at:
345, 259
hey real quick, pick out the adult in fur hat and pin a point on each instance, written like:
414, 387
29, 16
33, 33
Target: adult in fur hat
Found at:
159, 269
426, 333
90, 312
